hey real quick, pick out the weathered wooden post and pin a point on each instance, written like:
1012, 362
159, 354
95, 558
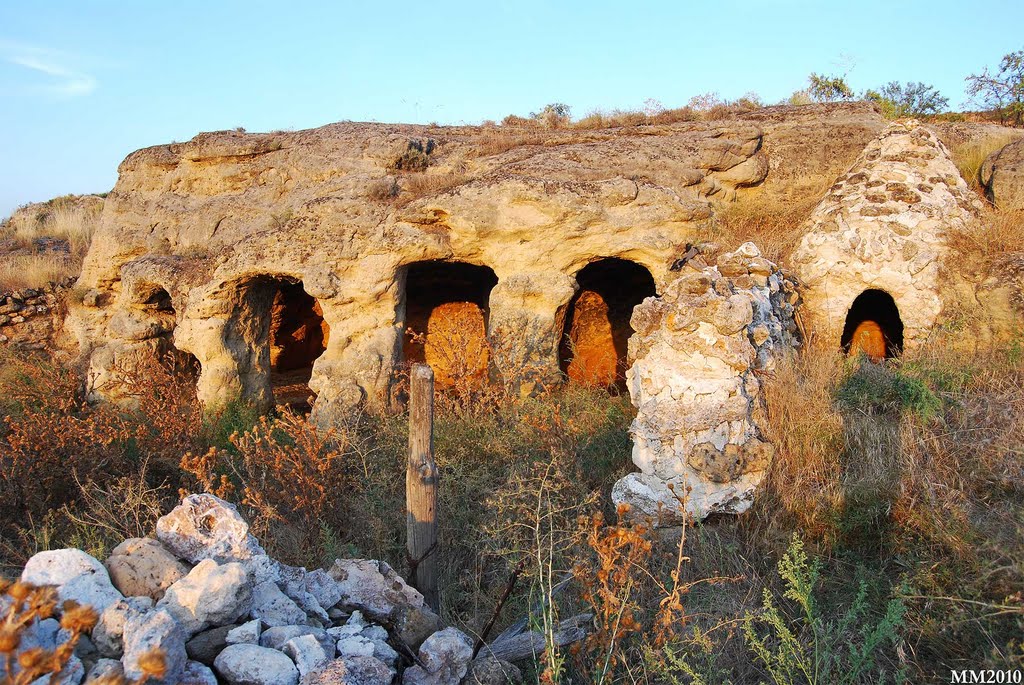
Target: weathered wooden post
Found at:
421, 486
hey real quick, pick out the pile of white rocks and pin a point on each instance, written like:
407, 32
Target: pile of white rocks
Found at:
207, 595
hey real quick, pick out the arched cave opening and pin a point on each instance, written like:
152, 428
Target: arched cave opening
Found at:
283, 330
592, 350
446, 315
159, 301
873, 327
297, 337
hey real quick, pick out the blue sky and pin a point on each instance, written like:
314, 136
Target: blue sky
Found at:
83, 82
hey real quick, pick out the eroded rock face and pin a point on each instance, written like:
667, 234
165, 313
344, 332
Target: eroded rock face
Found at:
1002, 174
695, 358
204, 227
883, 227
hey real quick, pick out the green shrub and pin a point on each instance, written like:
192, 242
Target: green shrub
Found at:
813, 648
875, 388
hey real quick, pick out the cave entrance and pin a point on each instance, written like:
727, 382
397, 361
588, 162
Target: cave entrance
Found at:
446, 312
158, 307
298, 335
593, 349
873, 327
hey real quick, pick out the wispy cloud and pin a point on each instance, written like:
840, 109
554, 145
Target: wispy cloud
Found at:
57, 79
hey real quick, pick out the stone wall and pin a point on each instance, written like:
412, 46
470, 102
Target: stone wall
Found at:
31, 319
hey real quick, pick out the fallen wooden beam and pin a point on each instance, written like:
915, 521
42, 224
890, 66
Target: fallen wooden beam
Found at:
525, 645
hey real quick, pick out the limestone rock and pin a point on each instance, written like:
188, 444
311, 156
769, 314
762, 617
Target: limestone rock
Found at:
415, 624
354, 670
154, 630
207, 527
245, 634
252, 665
104, 668
1002, 175
77, 576
143, 566
273, 607
108, 634
307, 654
373, 588
277, 636
196, 673
491, 671
201, 222
695, 356
205, 646
323, 587
59, 566
445, 656
812, 141
211, 594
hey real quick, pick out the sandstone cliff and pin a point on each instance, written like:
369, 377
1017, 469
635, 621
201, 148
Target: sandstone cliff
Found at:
213, 229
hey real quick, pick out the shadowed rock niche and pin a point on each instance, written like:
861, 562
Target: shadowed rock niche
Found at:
873, 327
298, 336
446, 311
597, 328
158, 306
284, 328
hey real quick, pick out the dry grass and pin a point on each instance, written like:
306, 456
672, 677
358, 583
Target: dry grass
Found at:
998, 233
916, 469
430, 183
807, 430
29, 267
36, 270
515, 131
65, 221
969, 157
498, 141
772, 219
383, 189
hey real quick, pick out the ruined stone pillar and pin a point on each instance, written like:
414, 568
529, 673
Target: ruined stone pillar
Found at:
527, 320
232, 368
696, 354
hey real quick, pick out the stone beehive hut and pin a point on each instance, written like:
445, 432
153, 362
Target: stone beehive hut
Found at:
872, 260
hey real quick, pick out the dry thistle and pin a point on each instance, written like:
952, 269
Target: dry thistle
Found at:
9, 638
78, 618
153, 664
